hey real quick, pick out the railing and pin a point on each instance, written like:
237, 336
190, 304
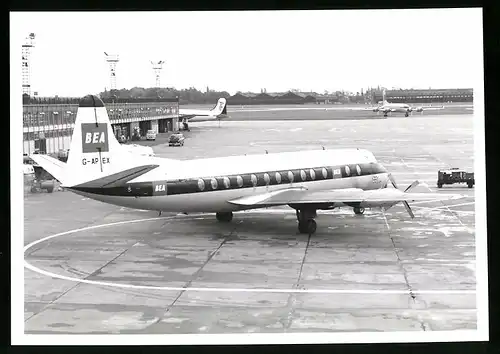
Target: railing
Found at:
63, 114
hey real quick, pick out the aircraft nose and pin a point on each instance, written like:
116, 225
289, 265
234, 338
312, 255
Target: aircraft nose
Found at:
379, 168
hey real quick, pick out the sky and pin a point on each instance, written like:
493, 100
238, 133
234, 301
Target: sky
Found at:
247, 51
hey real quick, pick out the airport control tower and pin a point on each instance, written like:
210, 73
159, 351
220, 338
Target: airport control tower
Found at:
26, 63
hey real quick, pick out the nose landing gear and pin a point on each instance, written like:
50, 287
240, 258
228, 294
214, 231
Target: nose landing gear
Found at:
224, 216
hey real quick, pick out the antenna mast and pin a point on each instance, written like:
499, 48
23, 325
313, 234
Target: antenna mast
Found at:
26, 63
112, 61
157, 69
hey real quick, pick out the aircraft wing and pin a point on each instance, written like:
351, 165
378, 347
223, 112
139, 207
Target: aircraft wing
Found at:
366, 198
427, 108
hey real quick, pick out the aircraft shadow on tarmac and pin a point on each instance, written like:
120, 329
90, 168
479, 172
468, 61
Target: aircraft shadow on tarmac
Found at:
275, 227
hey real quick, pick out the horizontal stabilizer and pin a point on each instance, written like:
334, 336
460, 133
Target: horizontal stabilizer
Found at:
117, 179
53, 166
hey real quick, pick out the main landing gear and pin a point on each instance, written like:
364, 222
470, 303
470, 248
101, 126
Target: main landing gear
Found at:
406, 114
358, 210
224, 216
305, 217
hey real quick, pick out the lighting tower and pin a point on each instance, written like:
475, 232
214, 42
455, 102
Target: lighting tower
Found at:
112, 61
26, 63
157, 68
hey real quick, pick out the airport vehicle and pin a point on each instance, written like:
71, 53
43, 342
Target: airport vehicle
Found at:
218, 112
39, 179
307, 181
151, 135
455, 175
176, 139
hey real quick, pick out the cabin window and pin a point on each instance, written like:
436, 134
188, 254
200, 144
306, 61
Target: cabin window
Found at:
290, 176
201, 184
347, 170
303, 175
267, 179
239, 180
213, 182
324, 172
278, 177
313, 174
358, 170
254, 180
227, 183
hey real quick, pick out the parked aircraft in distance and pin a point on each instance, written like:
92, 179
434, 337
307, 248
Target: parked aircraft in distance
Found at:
307, 181
386, 107
218, 112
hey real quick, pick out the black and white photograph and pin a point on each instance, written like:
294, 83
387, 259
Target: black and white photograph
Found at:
248, 177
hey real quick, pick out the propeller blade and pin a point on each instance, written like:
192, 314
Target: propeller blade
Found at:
414, 184
408, 209
393, 181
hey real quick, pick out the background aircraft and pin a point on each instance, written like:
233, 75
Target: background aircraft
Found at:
306, 181
219, 111
386, 107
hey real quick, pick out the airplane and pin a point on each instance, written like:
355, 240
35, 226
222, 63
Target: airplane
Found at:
219, 111
307, 181
386, 107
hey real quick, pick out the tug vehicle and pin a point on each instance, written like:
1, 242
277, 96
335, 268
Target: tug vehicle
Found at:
455, 175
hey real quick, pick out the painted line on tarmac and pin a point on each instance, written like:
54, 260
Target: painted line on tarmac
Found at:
229, 290
427, 209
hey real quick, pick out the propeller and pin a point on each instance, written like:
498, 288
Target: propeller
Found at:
405, 203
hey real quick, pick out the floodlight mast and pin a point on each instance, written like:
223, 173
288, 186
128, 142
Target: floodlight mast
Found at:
26, 63
157, 67
112, 61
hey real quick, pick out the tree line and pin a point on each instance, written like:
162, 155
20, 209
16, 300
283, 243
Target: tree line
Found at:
190, 95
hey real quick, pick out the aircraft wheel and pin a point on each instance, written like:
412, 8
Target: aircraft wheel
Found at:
224, 217
307, 226
440, 185
469, 185
358, 210
406, 114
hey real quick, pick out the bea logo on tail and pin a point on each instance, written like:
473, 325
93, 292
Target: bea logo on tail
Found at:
94, 138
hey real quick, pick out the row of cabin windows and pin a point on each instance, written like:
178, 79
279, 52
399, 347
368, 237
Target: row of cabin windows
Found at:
267, 178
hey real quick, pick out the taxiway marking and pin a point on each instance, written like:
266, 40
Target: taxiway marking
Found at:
233, 290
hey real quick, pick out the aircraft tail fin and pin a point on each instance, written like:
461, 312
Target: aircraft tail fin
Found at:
94, 150
220, 108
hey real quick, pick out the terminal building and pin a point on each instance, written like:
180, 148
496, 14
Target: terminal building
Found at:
426, 96
48, 123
